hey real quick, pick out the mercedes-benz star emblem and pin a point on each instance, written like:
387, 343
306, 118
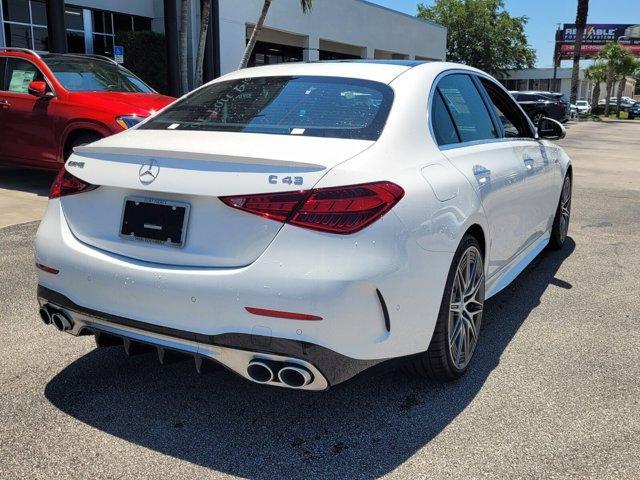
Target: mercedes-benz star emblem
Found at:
148, 172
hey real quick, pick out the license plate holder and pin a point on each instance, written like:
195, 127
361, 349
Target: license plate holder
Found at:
154, 220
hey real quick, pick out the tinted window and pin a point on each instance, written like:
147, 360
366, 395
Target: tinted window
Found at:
91, 75
513, 121
16, 10
18, 74
311, 106
467, 108
443, 127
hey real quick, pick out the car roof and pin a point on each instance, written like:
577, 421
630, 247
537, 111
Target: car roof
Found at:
384, 71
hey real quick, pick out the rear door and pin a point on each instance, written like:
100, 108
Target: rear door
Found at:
538, 159
488, 162
28, 125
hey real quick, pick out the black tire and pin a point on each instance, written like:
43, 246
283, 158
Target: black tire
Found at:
437, 362
81, 140
563, 216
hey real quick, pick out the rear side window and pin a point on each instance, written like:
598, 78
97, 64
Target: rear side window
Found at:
443, 127
469, 113
18, 74
306, 105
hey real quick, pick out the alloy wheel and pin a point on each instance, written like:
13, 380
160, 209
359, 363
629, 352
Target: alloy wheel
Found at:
466, 305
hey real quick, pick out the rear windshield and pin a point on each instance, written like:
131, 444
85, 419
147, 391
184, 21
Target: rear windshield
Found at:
308, 106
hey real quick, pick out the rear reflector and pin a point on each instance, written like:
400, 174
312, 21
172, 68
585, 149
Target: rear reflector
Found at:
278, 314
66, 184
341, 210
44, 268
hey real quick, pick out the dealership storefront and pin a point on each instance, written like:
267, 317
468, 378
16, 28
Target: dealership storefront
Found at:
335, 29
542, 79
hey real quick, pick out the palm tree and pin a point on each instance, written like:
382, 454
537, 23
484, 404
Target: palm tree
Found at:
304, 4
597, 73
627, 67
612, 53
205, 14
184, 28
581, 20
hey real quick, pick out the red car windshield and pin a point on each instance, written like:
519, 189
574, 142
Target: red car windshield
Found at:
79, 74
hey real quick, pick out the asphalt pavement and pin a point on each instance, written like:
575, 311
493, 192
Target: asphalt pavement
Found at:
554, 391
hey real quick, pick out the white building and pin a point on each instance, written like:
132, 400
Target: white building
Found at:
333, 29
542, 79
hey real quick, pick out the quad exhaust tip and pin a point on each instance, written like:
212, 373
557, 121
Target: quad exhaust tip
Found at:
45, 316
292, 376
260, 372
295, 377
61, 321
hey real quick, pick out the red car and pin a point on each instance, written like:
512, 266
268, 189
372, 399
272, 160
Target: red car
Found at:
50, 103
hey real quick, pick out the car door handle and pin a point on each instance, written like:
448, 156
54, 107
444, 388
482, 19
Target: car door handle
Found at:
481, 173
5, 104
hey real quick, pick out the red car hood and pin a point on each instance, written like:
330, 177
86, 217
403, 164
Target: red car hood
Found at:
121, 103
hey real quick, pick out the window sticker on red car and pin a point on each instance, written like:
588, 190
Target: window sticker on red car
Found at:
20, 80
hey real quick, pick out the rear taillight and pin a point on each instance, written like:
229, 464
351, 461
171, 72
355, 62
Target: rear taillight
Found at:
66, 184
340, 210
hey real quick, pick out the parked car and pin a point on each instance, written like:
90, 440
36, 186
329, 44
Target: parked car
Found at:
634, 111
538, 105
625, 102
583, 107
574, 111
300, 223
51, 103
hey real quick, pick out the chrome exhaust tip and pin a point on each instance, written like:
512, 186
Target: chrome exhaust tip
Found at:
294, 376
61, 321
260, 372
45, 316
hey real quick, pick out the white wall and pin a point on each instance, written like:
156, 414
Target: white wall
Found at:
352, 22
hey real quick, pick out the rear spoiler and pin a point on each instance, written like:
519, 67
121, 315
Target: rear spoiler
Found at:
104, 152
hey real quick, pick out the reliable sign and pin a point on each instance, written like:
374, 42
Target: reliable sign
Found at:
596, 35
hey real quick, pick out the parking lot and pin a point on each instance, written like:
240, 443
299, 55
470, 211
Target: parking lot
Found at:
554, 391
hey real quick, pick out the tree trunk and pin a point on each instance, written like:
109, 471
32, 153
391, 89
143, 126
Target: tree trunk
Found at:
609, 88
254, 34
621, 86
184, 28
205, 14
595, 97
581, 20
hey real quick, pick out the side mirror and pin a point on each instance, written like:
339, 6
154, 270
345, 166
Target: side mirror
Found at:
550, 129
38, 89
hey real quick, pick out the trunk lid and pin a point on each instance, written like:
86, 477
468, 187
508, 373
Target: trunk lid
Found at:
195, 168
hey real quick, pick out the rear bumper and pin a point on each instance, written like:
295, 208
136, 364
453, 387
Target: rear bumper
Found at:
231, 350
363, 287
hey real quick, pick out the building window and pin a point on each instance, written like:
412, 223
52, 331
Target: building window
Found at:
75, 29
270, 53
327, 55
25, 24
107, 24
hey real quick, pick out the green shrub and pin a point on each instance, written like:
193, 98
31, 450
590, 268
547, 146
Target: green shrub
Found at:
145, 55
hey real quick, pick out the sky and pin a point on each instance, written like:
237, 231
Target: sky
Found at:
544, 15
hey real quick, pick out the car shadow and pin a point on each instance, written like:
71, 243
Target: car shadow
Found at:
362, 429
26, 180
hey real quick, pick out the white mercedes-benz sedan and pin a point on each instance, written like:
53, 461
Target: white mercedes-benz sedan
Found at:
301, 223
